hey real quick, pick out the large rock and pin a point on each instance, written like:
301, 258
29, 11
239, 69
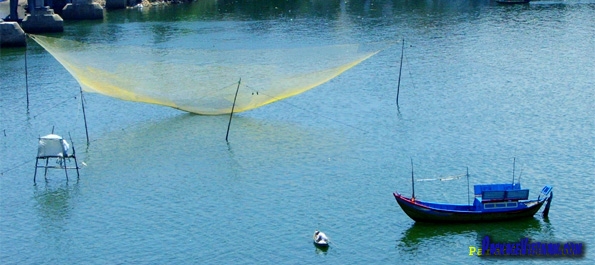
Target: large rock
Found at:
115, 4
42, 20
12, 35
82, 10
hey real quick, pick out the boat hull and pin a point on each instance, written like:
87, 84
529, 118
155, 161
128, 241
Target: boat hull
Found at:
321, 245
423, 213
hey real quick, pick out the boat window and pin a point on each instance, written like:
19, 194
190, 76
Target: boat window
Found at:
493, 195
517, 195
500, 205
505, 195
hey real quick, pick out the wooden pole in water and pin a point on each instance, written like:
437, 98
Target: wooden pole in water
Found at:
232, 107
84, 114
412, 181
400, 68
76, 164
26, 80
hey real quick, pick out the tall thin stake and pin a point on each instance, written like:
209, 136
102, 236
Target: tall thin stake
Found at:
84, 114
400, 68
412, 181
232, 107
26, 80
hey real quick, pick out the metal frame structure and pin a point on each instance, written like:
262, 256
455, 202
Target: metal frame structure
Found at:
61, 156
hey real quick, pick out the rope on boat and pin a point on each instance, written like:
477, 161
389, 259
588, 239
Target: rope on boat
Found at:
443, 178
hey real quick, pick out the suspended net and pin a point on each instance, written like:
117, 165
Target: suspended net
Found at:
201, 81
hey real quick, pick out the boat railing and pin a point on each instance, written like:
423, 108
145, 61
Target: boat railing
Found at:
479, 189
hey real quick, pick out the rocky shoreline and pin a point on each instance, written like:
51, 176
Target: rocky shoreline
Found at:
147, 3
12, 31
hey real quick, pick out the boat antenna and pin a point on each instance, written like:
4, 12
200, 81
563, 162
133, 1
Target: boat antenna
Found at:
513, 165
468, 201
520, 174
412, 181
232, 107
400, 68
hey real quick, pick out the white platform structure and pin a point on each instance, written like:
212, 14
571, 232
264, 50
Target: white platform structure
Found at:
53, 146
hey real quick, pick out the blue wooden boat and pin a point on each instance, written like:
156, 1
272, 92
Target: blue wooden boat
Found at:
492, 202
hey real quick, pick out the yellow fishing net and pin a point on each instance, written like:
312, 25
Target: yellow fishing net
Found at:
201, 81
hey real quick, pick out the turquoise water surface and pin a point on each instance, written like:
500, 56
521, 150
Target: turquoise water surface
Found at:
482, 84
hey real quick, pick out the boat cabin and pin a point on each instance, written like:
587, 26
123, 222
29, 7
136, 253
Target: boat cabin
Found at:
498, 196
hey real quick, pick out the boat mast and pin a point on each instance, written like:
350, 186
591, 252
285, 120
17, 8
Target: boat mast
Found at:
412, 181
468, 201
513, 165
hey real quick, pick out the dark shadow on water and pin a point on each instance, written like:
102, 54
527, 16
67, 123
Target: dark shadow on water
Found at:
55, 202
321, 250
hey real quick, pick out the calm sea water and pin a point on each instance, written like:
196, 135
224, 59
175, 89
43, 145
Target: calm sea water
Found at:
482, 84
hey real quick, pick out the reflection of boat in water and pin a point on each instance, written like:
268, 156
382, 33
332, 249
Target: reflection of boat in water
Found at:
429, 235
419, 232
492, 202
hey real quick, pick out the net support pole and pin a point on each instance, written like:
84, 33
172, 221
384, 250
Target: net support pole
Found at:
400, 68
26, 80
84, 115
232, 108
